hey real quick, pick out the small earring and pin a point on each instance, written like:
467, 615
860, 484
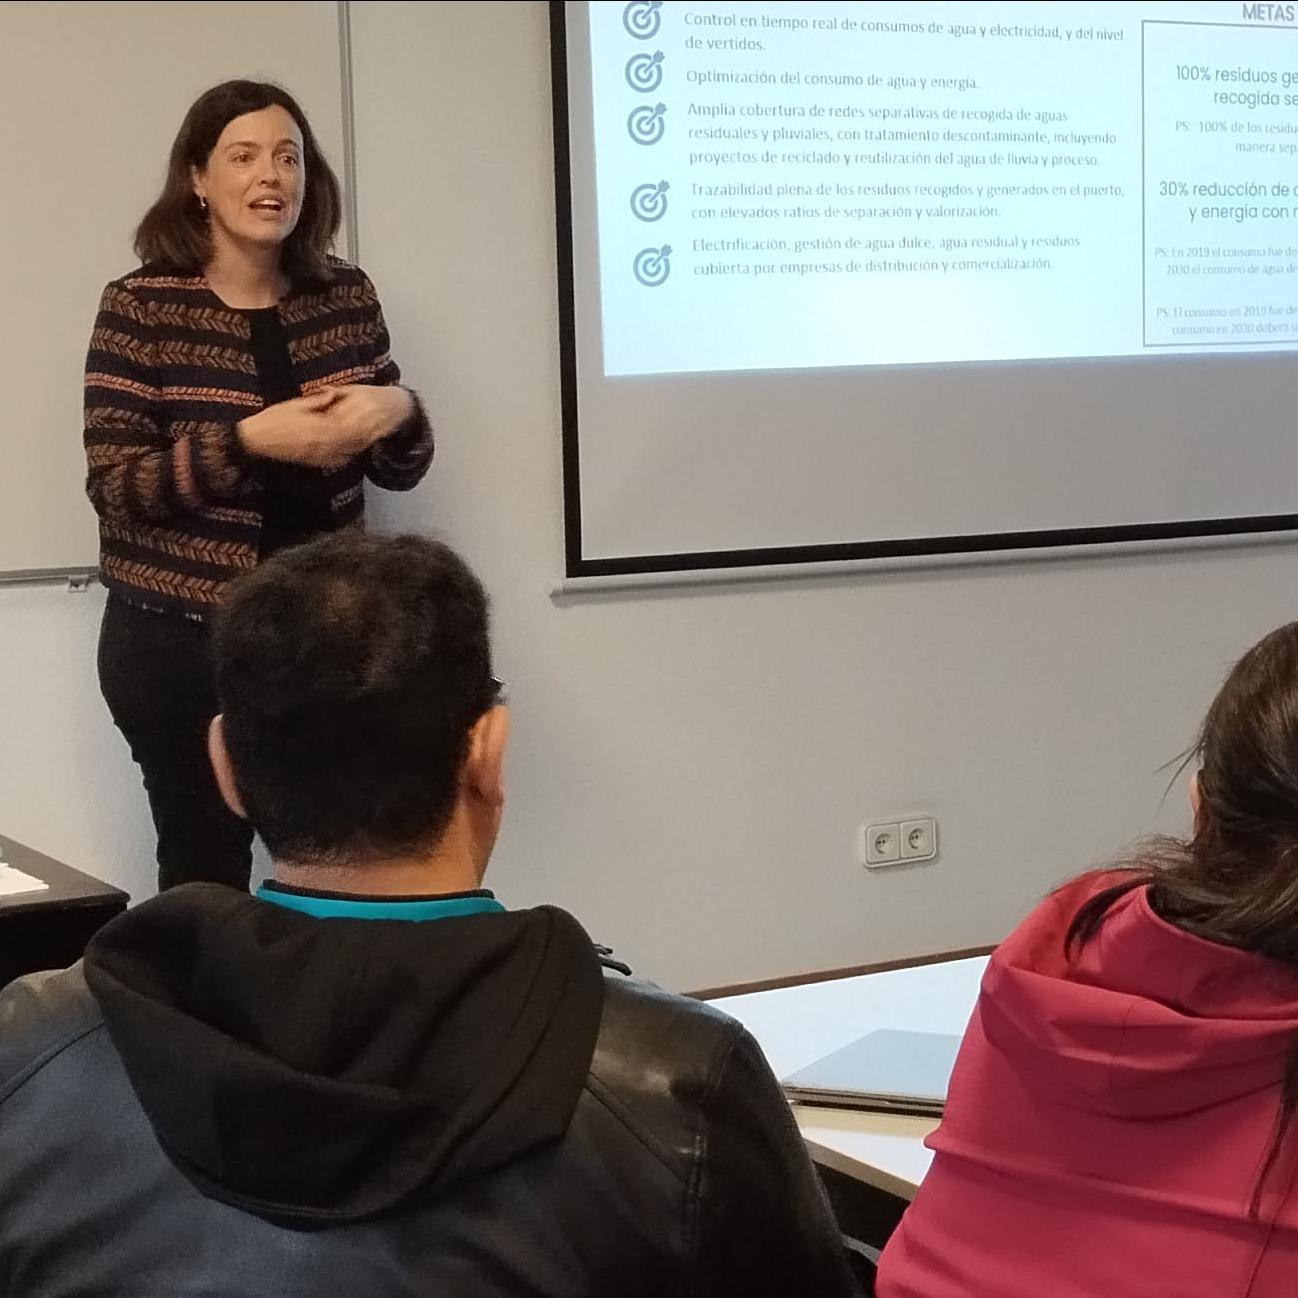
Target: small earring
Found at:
202, 202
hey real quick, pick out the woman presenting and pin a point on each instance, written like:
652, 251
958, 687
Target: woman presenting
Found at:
238, 392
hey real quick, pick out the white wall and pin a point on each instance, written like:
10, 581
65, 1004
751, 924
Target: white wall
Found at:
689, 768
67, 784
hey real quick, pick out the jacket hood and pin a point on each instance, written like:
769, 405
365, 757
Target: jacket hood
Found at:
317, 1070
1145, 1020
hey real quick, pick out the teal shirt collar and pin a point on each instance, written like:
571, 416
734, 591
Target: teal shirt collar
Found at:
413, 910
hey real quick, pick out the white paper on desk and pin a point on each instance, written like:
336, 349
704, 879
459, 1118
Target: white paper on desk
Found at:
14, 881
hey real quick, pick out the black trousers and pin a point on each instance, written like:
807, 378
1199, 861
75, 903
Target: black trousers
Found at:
156, 676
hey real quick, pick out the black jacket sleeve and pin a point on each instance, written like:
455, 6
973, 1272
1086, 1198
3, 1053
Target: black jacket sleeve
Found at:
763, 1224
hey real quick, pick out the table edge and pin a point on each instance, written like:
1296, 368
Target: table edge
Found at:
847, 971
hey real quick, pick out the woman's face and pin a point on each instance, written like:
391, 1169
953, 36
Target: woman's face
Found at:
253, 180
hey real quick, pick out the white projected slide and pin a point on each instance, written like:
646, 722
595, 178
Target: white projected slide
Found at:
783, 186
850, 281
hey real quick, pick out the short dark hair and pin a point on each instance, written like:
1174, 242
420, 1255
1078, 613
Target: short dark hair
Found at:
174, 232
350, 672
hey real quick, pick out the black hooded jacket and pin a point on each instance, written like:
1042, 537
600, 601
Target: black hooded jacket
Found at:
231, 1098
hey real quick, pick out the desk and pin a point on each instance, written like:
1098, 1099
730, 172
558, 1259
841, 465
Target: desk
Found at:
49, 929
872, 1162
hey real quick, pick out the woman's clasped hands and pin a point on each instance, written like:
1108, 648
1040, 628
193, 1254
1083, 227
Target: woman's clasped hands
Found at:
326, 427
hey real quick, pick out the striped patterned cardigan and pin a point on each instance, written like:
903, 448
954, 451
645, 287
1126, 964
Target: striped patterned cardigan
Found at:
169, 374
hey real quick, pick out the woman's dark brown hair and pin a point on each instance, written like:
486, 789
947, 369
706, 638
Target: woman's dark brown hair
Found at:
174, 232
1236, 881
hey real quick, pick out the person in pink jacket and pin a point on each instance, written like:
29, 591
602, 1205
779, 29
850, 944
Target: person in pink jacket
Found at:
1120, 1120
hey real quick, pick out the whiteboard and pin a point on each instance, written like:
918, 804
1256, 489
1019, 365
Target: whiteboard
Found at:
92, 95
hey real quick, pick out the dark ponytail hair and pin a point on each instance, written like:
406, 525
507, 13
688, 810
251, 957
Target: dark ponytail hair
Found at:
1236, 881
174, 232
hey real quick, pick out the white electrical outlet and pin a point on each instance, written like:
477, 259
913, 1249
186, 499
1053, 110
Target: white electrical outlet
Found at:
919, 839
897, 842
882, 843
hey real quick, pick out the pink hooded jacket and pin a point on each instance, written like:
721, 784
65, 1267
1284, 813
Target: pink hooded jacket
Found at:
1107, 1120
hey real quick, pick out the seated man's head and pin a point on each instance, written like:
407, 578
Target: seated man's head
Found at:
360, 721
